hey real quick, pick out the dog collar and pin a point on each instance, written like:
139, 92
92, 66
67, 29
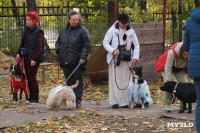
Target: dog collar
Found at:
175, 87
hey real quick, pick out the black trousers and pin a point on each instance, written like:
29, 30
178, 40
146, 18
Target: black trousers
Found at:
78, 75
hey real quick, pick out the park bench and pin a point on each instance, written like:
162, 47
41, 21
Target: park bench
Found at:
43, 65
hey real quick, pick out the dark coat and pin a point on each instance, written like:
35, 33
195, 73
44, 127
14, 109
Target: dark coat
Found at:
72, 45
192, 43
32, 43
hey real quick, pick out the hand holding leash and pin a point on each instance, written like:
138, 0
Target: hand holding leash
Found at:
115, 52
81, 61
17, 57
133, 62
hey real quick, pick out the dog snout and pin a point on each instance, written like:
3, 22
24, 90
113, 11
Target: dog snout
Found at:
12, 72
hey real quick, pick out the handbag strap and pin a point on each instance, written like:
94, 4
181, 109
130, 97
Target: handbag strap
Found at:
116, 78
119, 42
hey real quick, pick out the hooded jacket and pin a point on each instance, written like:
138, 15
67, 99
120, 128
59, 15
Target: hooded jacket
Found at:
73, 44
112, 34
172, 62
192, 43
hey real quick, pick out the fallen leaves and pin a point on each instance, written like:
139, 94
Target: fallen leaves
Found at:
89, 121
82, 112
86, 120
5, 62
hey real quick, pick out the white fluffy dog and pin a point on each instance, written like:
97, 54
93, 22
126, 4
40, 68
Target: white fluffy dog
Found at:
62, 97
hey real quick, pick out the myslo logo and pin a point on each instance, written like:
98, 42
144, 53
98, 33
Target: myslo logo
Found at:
179, 124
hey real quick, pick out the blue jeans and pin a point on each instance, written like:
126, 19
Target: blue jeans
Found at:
197, 113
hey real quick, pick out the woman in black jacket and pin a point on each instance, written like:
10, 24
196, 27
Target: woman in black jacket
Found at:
73, 46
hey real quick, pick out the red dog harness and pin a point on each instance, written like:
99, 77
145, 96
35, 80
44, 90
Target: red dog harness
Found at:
19, 84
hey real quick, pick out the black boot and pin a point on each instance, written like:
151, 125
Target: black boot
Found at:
115, 106
78, 104
27, 100
33, 99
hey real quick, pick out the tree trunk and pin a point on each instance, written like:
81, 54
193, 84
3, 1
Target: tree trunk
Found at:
142, 4
197, 3
180, 21
16, 12
31, 5
111, 13
50, 56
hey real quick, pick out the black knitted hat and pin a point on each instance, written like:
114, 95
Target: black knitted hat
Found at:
123, 18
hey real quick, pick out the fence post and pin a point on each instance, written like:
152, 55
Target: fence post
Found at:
164, 23
23, 18
116, 9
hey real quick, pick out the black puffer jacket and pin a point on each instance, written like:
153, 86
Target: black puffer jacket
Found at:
72, 45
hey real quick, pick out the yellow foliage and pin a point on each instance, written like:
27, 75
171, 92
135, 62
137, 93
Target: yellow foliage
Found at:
82, 112
7, 49
50, 125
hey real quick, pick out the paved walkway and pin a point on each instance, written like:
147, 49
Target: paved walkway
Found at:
35, 113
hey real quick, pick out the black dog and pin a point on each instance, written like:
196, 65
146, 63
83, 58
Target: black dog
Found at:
18, 82
184, 92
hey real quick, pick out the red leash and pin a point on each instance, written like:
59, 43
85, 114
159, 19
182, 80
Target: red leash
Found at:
20, 61
115, 77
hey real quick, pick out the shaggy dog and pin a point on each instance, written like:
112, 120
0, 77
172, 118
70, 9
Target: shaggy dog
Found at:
62, 97
183, 91
18, 81
138, 89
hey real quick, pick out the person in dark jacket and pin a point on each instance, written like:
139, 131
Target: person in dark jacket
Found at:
192, 46
32, 40
73, 47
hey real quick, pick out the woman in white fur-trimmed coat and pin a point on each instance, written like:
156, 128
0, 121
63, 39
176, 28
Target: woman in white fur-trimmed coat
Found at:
121, 33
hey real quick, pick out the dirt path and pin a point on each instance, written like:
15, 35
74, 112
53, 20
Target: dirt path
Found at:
35, 113
153, 119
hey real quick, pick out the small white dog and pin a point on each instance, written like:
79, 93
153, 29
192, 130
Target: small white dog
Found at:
62, 97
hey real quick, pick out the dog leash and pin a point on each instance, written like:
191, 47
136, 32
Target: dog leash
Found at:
115, 77
73, 72
20, 61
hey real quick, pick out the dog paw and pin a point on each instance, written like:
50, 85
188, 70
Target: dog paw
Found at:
143, 107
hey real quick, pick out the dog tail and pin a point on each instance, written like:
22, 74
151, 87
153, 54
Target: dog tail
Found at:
74, 86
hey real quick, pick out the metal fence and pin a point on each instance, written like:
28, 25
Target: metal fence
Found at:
52, 20
176, 15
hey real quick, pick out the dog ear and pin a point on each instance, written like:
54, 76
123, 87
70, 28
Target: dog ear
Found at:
11, 65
